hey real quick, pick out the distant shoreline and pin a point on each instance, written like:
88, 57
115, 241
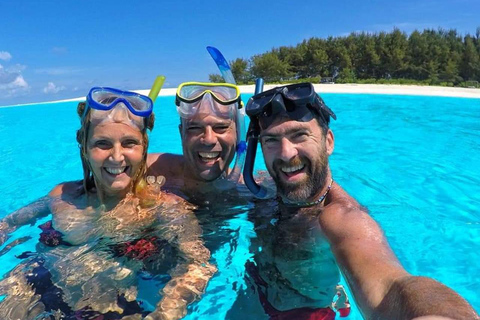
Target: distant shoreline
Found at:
348, 88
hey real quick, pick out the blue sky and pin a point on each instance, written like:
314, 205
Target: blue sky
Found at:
52, 50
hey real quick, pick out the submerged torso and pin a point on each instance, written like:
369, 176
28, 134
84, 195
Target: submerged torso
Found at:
294, 259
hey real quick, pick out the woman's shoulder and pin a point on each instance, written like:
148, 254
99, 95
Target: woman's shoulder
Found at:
70, 189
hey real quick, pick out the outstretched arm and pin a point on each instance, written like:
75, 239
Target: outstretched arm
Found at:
23, 216
381, 286
189, 279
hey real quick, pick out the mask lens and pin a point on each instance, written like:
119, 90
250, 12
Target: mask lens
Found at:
298, 92
104, 97
138, 103
257, 103
191, 92
225, 94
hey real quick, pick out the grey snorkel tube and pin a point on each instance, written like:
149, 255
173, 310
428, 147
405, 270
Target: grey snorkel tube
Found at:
252, 139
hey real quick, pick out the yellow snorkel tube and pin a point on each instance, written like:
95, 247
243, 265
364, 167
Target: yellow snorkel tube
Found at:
156, 87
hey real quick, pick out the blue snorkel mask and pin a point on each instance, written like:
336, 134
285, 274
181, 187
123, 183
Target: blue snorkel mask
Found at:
298, 102
104, 103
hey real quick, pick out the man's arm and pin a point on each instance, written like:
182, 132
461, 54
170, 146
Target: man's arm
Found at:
23, 216
381, 286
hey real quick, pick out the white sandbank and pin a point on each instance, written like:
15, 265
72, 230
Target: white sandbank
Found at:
348, 88
369, 89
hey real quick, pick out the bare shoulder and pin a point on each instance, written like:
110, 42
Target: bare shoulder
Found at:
166, 164
344, 216
66, 189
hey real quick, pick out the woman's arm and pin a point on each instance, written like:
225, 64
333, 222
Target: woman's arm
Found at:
190, 279
23, 216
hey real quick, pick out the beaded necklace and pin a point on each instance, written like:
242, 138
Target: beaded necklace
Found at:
312, 203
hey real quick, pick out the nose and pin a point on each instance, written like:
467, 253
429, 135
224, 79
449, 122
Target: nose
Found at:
209, 136
287, 150
117, 153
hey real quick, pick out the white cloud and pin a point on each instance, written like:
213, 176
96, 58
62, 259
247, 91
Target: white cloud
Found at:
58, 71
17, 68
52, 88
4, 55
12, 82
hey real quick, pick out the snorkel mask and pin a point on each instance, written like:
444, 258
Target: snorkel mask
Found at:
108, 104
298, 102
222, 99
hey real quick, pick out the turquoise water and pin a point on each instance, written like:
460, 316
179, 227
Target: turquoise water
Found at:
413, 161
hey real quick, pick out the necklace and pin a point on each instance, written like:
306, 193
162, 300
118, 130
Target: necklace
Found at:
312, 203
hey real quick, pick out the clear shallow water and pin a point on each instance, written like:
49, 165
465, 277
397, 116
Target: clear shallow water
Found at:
413, 161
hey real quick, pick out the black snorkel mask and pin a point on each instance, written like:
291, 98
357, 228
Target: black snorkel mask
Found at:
298, 102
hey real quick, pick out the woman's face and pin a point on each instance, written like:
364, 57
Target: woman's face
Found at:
115, 153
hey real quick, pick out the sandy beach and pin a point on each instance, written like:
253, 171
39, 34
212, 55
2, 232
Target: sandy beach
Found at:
368, 89
343, 88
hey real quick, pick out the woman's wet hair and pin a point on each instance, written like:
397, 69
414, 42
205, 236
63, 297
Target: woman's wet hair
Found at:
82, 136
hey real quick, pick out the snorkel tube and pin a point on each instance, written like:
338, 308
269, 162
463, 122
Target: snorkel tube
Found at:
253, 131
156, 87
227, 75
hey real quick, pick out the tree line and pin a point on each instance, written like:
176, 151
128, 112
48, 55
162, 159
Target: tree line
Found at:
433, 57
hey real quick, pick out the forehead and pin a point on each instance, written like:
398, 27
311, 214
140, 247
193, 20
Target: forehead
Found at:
284, 126
113, 129
206, 119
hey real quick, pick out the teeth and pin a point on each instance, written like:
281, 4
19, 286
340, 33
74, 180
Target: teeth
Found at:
293, 169
209, 155
115, 170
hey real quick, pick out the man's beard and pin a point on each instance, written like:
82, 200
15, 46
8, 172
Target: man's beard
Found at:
310, 186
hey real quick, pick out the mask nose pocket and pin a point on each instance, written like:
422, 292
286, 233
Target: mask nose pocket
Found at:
278, 105
119, 113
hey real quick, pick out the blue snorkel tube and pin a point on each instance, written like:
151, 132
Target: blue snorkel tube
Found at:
257, 190
227, 75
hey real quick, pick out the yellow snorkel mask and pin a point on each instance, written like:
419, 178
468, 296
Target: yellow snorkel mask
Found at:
222, 99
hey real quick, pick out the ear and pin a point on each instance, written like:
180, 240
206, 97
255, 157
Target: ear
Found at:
329, 142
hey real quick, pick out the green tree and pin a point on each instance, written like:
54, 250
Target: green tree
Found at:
216, 78
316, 60
470, 66
269, 67
417, 57
430, 55
239, 70
394, 53
340, 64
368, 60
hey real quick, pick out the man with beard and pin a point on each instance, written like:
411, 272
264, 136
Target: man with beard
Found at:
317, 228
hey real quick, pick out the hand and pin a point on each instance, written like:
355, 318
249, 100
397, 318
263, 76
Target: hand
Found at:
169, 309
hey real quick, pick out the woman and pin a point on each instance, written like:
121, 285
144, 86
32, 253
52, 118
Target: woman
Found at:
112, 227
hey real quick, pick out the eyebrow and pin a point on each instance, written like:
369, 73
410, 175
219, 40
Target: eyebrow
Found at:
283, 134
222, 122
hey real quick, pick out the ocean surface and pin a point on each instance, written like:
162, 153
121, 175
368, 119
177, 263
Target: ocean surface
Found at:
412, 161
